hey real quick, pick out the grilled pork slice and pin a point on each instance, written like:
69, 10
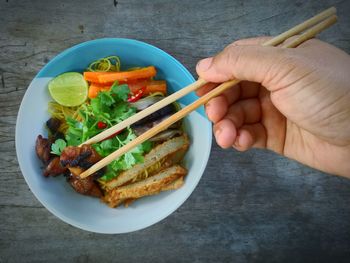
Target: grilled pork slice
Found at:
150, 186
84, 156
84, 186
43, 149
162, 156
54, 168
77, 159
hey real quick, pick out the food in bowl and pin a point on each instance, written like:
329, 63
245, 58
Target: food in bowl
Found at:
57, 196
87, 104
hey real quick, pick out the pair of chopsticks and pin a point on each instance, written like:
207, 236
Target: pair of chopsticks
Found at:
313, 26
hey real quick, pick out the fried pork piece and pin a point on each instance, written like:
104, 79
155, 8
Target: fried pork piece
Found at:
150, 186
85, 186
53, 125
160, 157
54, 168
43, 149
84, 156
77, 159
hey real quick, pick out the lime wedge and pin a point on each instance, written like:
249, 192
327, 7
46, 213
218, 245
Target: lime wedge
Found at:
69, 89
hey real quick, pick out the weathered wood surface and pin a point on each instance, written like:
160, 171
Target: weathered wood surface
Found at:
248, 207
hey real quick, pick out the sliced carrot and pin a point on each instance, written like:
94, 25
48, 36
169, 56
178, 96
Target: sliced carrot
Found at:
156, 86
91, 76
94, 90
107, 77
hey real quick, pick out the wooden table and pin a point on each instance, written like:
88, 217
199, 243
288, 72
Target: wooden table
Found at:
248, 207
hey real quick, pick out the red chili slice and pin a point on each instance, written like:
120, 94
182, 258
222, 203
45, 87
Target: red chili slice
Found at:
113, 135
138, 95
101, 125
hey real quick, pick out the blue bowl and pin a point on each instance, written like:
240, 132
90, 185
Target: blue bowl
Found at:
54, 193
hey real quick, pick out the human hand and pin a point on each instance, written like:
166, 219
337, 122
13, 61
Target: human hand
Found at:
295, 102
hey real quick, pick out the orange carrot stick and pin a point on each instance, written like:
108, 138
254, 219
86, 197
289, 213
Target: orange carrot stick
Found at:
91, 76
156, 86
94, 89
147, 72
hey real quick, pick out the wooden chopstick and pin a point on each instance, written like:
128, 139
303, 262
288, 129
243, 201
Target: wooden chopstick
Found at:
200, 82
310, 33
301, 27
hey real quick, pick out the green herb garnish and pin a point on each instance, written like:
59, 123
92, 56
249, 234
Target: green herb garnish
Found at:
58, 146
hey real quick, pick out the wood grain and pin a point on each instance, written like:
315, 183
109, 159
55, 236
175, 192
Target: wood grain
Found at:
248, 207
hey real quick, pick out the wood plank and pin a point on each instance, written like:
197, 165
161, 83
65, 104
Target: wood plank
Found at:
253, 206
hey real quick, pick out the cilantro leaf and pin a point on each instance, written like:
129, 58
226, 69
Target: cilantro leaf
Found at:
58, 146
95, 105
106, 147
74, 133
105, 98
138, 157
109, 174
119, 165
147, 146
129, 159
120, 92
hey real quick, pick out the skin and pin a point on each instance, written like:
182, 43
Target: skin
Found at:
295, 102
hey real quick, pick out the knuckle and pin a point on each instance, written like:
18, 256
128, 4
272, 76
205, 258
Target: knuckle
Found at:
290, 56
232, 54
280, 60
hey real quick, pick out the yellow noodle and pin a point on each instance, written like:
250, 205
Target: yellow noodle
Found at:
111, 63
61, 112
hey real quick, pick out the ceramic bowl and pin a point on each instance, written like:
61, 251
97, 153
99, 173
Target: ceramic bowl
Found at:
54, 193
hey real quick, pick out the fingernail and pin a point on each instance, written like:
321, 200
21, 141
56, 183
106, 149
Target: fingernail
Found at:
204, 64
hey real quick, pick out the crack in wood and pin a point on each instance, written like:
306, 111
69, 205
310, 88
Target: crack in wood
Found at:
14, 45
20, 206
2, 71
273, 16
220, 21
170, 39
340, 2
33, 55
3, 81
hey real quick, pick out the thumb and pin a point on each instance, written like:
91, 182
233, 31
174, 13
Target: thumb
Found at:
245, 62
